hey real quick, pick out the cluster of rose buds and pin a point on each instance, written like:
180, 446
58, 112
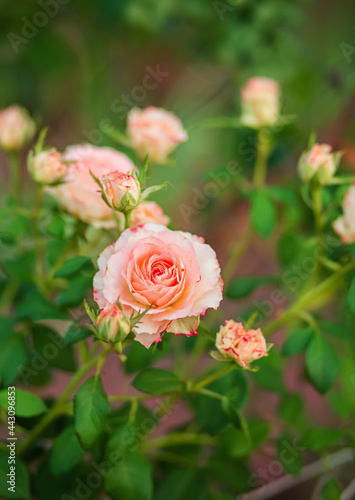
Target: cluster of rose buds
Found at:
172, 275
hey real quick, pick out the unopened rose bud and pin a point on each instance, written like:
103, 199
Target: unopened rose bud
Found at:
113, 325
319, 163
47, 167
154, 132
122, 191
16, 128
260, 102
243, 346
345, 224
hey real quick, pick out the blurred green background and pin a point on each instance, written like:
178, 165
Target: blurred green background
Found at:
74, 63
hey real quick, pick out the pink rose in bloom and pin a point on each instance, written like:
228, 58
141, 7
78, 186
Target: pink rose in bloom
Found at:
148, 211
319, 162
116, 185
155, 132
174, 272
46, 167
260, 102
243, 346
345, 224
113, 323
79, 194
16, 128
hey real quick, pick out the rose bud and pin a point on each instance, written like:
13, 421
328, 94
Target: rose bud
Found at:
318, 163
243, 346
345, 224
122, 191
113, 325
148, 211
16, 128
154, 131
46, 167
260, 102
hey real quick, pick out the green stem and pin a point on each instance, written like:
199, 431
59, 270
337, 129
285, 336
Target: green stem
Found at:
238, 249
263, 150
58, 407
212, 377
317, 209
312, 299
127, 219
41, 272
177, 439
14, 162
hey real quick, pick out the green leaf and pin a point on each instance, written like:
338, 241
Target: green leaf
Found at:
263, 214
319, 439
22, 488
297, 341
91, 408
183, 484
74, 334
289, 455
322, 364
34, 307
66, 452
290, 407
71, 266
270, 378
351, 296
139, 357
26, 403
75, 292
339, 331
331, 490
245, 285
157, 381
13, 356
131, 479
52, 350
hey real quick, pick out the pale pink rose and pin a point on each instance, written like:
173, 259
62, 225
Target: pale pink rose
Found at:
345, 224
154, 131
113, 324
148, 211
122, 191
80, 194
260, 102
243, 346
174, 272
319, 163
47, 167
16, 128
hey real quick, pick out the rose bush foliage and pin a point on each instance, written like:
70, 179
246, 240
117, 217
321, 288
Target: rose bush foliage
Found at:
90, 271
